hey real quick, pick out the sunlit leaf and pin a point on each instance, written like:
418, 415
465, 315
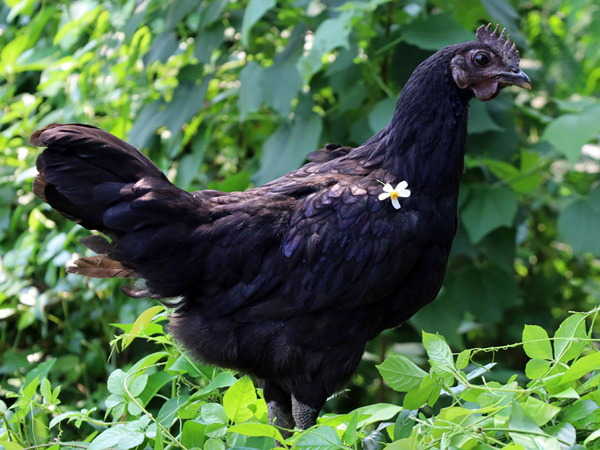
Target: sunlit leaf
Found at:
536, 342
581, 367
401, 373
237, 398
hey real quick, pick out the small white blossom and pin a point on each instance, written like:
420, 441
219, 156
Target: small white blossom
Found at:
390, 192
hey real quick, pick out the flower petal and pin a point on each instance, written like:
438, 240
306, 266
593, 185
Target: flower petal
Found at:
404, 193
384, 196
396, 203
402, 185
388, 188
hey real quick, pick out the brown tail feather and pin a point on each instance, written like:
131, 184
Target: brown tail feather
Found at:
101, 266
35, 137
39, 185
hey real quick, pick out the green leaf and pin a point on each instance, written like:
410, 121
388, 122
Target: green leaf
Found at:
141, 323
563, 431
257, 429
567, 346
113, 400
189, 165
579, 221
147, 361
331, 34
567, 393
178, 10
192, 434
137, 384
416, 398
13, 50
108, 438
186, 102
462, 360
540, 411
581, 367
569, 132
216, 430
207, 41
529, 179
46, 391
440, 355
542, 349
236, 182
501, 169
214, 444
213, 413
488, 208
130, 440
537, 368
404, 424
286, 149
480, 120
251, 89
350, 434
162, 48
592, 437
116, 383
444, 305
183, 365
168, 411
8, 445
375, 440
519, 420
253, 13
381, 114
578, 410
377, 412
281, 83
400, 373
222, 379
211, 12
321, 438
237, 398
146, 123
434, 32
133, 408
30, 389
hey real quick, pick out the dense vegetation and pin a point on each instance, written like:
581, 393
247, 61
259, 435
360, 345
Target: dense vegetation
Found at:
229, 94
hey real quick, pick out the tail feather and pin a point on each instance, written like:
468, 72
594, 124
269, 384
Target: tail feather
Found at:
92, 178
83, 170
101, 266
105, 184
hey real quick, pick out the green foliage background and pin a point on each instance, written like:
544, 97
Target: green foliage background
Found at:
230, 94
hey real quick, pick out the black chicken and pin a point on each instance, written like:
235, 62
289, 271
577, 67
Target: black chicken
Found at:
288, 281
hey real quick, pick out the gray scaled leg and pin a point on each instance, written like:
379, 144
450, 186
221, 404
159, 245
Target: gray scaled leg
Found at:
279, 408
305, 416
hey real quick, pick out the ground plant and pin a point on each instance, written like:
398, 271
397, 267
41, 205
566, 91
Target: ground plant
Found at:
230, 94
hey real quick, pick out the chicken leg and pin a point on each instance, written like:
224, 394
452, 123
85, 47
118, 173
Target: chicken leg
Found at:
279, 408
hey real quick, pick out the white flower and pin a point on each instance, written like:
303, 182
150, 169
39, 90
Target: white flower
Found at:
390, 192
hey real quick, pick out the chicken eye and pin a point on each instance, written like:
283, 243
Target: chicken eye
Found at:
481, 59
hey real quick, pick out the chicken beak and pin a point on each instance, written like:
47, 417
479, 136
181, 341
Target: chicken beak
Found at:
517, 79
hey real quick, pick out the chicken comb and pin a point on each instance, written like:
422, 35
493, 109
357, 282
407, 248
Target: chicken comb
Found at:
501, 43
